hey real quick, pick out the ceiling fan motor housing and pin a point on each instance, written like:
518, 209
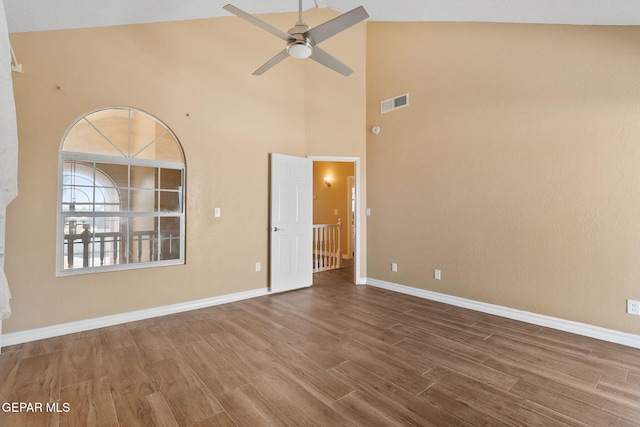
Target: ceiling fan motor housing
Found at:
301, 46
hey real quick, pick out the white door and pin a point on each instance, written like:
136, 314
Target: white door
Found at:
291, 222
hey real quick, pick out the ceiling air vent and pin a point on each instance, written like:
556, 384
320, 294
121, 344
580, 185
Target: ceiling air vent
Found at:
394, 103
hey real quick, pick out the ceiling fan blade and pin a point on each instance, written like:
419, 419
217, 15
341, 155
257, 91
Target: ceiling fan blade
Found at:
336, 25
258, 22
327, 60
273, 61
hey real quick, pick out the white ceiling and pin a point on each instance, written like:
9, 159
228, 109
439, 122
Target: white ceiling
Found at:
40, 15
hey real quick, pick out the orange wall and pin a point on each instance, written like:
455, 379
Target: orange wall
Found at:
195, 76
329, 199
514, 170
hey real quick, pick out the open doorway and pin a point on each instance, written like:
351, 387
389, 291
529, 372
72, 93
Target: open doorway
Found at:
335, 205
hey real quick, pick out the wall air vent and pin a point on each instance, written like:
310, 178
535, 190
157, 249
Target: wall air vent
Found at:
394, 103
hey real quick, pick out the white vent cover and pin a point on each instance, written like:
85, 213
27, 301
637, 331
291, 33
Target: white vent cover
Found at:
394, 103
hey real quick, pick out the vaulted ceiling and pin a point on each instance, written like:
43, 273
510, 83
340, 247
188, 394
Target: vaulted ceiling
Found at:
39, 15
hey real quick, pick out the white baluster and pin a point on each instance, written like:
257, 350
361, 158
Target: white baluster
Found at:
339, 253
327, 247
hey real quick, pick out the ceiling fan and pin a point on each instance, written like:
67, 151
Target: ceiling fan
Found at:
302, 40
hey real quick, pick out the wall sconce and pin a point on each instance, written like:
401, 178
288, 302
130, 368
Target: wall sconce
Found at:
328, 180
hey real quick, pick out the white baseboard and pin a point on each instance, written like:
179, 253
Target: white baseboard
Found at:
578, 328
13, 338
597, 332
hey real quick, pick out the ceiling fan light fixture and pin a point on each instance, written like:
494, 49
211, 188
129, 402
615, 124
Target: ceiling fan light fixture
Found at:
300, 49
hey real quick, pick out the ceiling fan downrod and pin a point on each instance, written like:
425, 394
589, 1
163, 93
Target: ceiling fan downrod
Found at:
301, 47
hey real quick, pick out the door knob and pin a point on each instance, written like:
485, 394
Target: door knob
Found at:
278, 229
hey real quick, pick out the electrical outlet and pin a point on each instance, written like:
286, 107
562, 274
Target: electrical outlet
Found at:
258, 266
394, 267
437, 275
633, 307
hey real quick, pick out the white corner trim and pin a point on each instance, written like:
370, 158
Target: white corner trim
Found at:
578, 328
13, 338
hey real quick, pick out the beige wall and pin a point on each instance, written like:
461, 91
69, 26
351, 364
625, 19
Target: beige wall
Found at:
515, 169
329, 199
196, 77
335, 117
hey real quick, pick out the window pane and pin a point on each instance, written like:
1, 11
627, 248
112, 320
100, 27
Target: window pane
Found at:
107, 200
89, 189
93, 242
112, 175
169, 238
162, 148
144, 177
167, 149
170, 179
84, 137
77, 186
77, 239
113, 126
143, 201
77, 198
170, 201
78, 173
144, 132
142, 239
109, 237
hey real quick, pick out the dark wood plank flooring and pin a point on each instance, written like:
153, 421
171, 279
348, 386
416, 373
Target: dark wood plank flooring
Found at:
332, 355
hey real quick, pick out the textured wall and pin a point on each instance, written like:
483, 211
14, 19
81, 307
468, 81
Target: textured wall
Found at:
514, 169
195, 76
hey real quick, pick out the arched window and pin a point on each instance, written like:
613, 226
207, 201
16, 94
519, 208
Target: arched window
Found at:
121, 204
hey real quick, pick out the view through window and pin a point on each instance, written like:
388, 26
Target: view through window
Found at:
121, 203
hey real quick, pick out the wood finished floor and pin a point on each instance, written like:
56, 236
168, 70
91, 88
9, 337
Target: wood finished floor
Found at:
331, 355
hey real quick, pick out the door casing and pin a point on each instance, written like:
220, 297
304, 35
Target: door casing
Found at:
357, 264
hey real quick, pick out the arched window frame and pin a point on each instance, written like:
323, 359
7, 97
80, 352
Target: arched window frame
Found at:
161, 241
